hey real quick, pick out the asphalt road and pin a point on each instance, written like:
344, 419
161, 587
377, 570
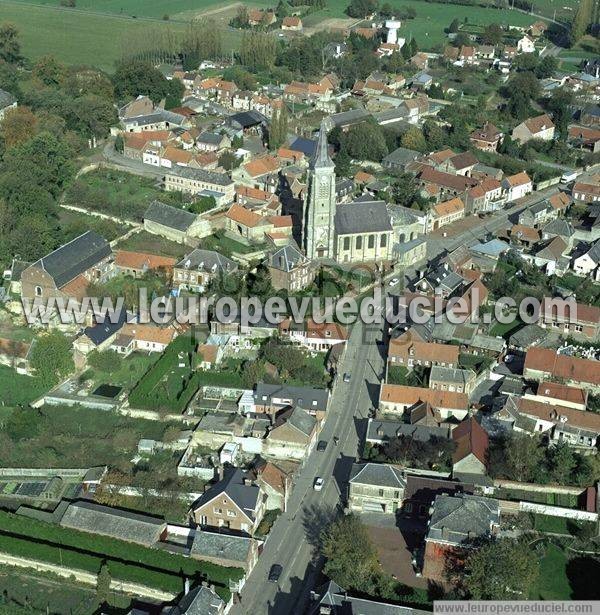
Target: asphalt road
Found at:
292, 540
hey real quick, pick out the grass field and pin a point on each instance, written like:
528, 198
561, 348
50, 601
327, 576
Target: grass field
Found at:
94, 33
72, 36
553, 583
18, 389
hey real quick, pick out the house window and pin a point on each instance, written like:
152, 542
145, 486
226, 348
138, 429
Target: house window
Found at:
217, 511
381, 493
371, 243
346, 243
231, 513
38, 291
359, 243
383, 241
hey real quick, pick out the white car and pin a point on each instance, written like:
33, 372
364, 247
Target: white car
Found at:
318, 484
394, 281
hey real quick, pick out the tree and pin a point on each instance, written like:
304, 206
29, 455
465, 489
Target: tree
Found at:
413, 139
51, 357
108, 361
351, 558
278, 128
404, 189
49, 71
103, 584
454, 26
561, 462
523, 455
135, 77
282, 10
258, 50
434, 135
493, 34
229, 161
582, 20
242, 18
361, 8
546, 67
365, 141
500, 570
19, 125
10, 48
342, 163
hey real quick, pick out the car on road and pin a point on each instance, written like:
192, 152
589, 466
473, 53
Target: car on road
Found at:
321, 445
275, 572
346, 377
394, 281
318, 484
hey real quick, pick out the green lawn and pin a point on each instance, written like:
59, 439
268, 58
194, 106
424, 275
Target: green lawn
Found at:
506, 329
127, 370
74, 223
116, 193
226, 245
553, 583
74, 37
557, 525
154, 244
17, 389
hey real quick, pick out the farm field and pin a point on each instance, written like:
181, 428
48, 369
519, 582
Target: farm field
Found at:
94, 34
72, 36
428, 26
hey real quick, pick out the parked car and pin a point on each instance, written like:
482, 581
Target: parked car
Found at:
394, 281
275, 572
321, 445
318, 484
346, 377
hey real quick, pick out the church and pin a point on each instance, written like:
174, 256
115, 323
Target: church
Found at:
356, 232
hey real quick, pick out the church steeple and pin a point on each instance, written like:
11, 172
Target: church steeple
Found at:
321, 158
319, 230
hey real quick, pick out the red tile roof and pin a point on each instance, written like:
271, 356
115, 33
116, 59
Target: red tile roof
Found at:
470, 438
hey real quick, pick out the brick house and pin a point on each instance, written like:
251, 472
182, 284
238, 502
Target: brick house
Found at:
545, 364
472, 442
486, 138
234, 502
290, 269
456, 521
195, 270
408, 352
137, 264
67, 271
583, 321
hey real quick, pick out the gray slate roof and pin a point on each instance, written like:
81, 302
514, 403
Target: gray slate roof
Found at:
380, 431
340, 603
559, 227
207, 260
75, 257
362, 217
302, 421
456, 519
122, 524
200, 601
346, 118
379, 474
201, 175
286, 258
401, 156
452, 375
154, 118
306, 397
232, 484
171, 217
210, 137
6, 99
226, 546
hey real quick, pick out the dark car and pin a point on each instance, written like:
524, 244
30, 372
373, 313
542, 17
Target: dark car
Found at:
275, 573
321, 445
346, 377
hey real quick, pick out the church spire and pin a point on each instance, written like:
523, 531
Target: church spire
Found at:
321, 159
